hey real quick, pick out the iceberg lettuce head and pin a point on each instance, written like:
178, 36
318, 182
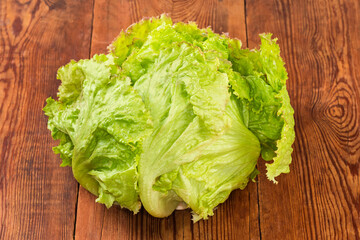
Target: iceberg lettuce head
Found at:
173, 114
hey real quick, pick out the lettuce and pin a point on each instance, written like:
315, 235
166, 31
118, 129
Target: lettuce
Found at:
173, 114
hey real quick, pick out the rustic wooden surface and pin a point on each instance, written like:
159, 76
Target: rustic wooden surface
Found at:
319, 199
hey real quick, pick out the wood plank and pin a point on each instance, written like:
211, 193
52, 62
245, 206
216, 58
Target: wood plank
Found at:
320, 198
37, 196
237, 218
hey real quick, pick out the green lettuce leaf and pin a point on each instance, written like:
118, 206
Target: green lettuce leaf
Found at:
110, 124
185, 114
266, 109
276, 74
60, 123
215, 169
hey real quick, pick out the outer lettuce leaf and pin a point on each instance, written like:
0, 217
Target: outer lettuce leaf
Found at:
273, 66
276, 74
61, 124
215, 170
283, 153
111, 123
266, 110
145, 39
134, 37
181, 110
63, 114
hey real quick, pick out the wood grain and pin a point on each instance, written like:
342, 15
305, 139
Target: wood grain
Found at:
320, 198
37, 197
237, 218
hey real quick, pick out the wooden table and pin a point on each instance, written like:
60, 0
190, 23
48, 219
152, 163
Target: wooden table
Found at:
319, 199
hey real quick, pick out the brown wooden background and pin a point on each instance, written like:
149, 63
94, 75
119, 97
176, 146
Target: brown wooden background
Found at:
319, 199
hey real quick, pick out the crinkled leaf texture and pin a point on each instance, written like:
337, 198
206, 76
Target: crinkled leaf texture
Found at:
173, 114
